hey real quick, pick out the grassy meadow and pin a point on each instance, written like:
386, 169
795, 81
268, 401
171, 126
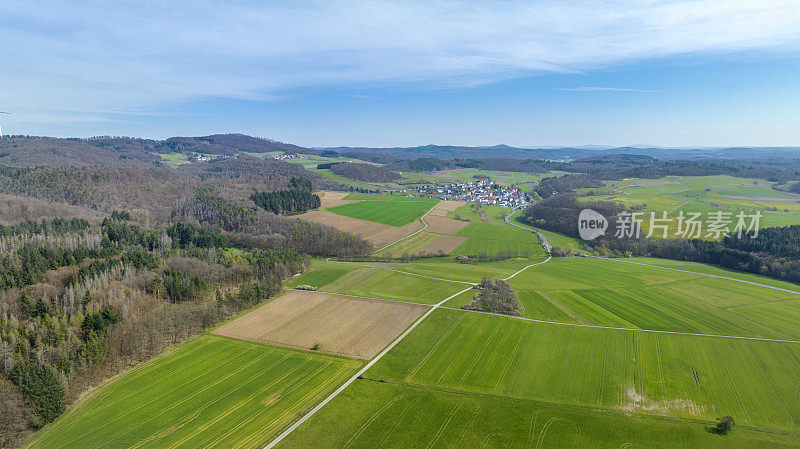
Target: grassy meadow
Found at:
390, 210
703, 194
209, 392
373, 415
624, 370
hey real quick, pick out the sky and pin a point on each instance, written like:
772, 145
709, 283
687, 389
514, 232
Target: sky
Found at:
383, 73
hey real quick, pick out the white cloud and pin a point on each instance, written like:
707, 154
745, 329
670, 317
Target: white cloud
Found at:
605, 89
119, 56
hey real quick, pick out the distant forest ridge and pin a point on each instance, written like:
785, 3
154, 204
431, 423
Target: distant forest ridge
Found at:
571, 153
131, 151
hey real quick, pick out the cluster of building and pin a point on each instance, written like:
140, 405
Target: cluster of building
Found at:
479, 191
284, 156
197, 157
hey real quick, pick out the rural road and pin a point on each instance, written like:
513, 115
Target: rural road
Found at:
366, 367
413, 233
542, 238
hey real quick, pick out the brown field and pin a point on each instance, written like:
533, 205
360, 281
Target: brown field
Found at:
331, 199
336, 324
450, 205
376, 233
438, 213
444, 225
445, 243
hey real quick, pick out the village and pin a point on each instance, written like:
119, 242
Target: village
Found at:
479, 191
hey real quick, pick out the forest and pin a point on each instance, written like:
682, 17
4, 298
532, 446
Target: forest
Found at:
364, 172
774, 253
79, 303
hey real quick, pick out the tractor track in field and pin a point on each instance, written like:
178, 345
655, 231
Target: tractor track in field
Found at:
543, 241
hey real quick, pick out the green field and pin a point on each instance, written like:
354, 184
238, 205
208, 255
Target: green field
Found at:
403, 287
490, 238
643, 372
390, 210
607, 293
210, 392
411, 245
174, 159
321, 273
703, 194
372, 415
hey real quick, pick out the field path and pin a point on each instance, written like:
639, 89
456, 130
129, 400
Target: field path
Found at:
394, 343
701, 274
422, 219
360, 372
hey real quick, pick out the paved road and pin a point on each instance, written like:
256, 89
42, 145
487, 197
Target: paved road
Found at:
542, 238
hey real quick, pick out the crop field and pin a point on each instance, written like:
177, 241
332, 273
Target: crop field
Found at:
705, 194
403, 287
210, 392
335, 324
174, 159
607, 293
321, 273
378, 234
489, 238
389, 210
373, 415
645, 372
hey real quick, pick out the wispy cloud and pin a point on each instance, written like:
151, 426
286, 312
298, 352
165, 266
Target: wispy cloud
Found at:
605, 89
119, 56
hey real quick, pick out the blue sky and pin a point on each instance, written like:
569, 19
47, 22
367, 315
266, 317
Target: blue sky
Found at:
534, 73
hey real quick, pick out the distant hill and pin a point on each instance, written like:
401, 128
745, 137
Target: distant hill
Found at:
22, 151
572, 153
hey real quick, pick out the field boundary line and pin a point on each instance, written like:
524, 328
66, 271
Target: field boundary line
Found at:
359, 373
678, 206
634, 329
368, 298
429, 277
702, 274
422, 219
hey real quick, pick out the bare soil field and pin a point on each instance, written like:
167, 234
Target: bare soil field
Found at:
376, 233
437, 213
449, 205
331, 199
444, 243
444, 225
336, 324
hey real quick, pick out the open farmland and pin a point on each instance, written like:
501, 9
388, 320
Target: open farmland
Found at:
490, 238
210, 392
438, 236
376, 233
633, 371
335, 324
389, 210
608, 293
373, 415
399, 286
704, 194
